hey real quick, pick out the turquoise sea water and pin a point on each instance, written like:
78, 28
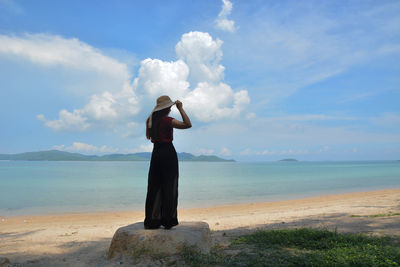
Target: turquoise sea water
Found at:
34, 187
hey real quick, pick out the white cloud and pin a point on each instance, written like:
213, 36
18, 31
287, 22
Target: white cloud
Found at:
85, 148
270, 136
205, 151
146, 148
210, 102
196, 78
268, 152
306, 117
103, 110
285, 49
142, 148
222, 22
100, 107
67, 121
51, 50
250, 152
130, 129
251, 115
294, 152
157, 77
58, 147
113, 105
225, 151
202, 54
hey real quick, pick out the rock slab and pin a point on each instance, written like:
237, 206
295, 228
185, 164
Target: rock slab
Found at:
133, 240
4, 261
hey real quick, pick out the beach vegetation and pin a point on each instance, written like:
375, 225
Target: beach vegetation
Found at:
301, 247
377, 215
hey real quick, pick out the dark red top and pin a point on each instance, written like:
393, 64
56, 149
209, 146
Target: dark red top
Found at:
165, 131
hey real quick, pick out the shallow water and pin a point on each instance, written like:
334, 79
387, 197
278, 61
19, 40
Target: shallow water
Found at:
40, 187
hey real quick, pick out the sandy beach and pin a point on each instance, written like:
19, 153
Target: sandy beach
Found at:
82, 239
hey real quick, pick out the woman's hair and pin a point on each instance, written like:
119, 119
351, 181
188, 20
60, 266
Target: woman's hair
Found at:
156, 118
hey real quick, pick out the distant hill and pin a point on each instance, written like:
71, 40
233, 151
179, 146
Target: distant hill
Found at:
288, 160
56, 155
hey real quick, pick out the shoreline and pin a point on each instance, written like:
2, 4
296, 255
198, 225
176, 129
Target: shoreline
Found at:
311, 203
298, 197
82, 239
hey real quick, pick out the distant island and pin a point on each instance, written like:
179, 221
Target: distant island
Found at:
56, 155
288, 160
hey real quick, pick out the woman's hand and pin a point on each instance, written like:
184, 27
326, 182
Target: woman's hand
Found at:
179, 104
186, 121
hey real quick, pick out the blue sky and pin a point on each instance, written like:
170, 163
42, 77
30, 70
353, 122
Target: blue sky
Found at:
261, 80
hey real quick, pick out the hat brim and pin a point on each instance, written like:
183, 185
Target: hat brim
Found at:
163, 106
157, 108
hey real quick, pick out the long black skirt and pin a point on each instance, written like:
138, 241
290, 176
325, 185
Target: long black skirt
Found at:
162, 187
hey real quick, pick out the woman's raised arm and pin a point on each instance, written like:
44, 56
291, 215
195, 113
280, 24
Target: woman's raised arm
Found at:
186, 121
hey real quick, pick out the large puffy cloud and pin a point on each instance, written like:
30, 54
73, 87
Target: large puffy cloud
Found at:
117, 103
112, 107
202, 54
196, 78
157, 77
103, 110
212, 101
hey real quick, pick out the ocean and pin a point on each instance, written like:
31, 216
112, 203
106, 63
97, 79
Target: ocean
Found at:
45, 187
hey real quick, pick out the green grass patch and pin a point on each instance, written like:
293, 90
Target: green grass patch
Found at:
378, 215
385, 215
301, 247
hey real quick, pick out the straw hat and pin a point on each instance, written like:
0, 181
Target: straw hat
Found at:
162, 102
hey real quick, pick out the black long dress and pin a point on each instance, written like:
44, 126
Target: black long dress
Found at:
162, 189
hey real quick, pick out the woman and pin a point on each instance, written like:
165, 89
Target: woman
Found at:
162, 188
